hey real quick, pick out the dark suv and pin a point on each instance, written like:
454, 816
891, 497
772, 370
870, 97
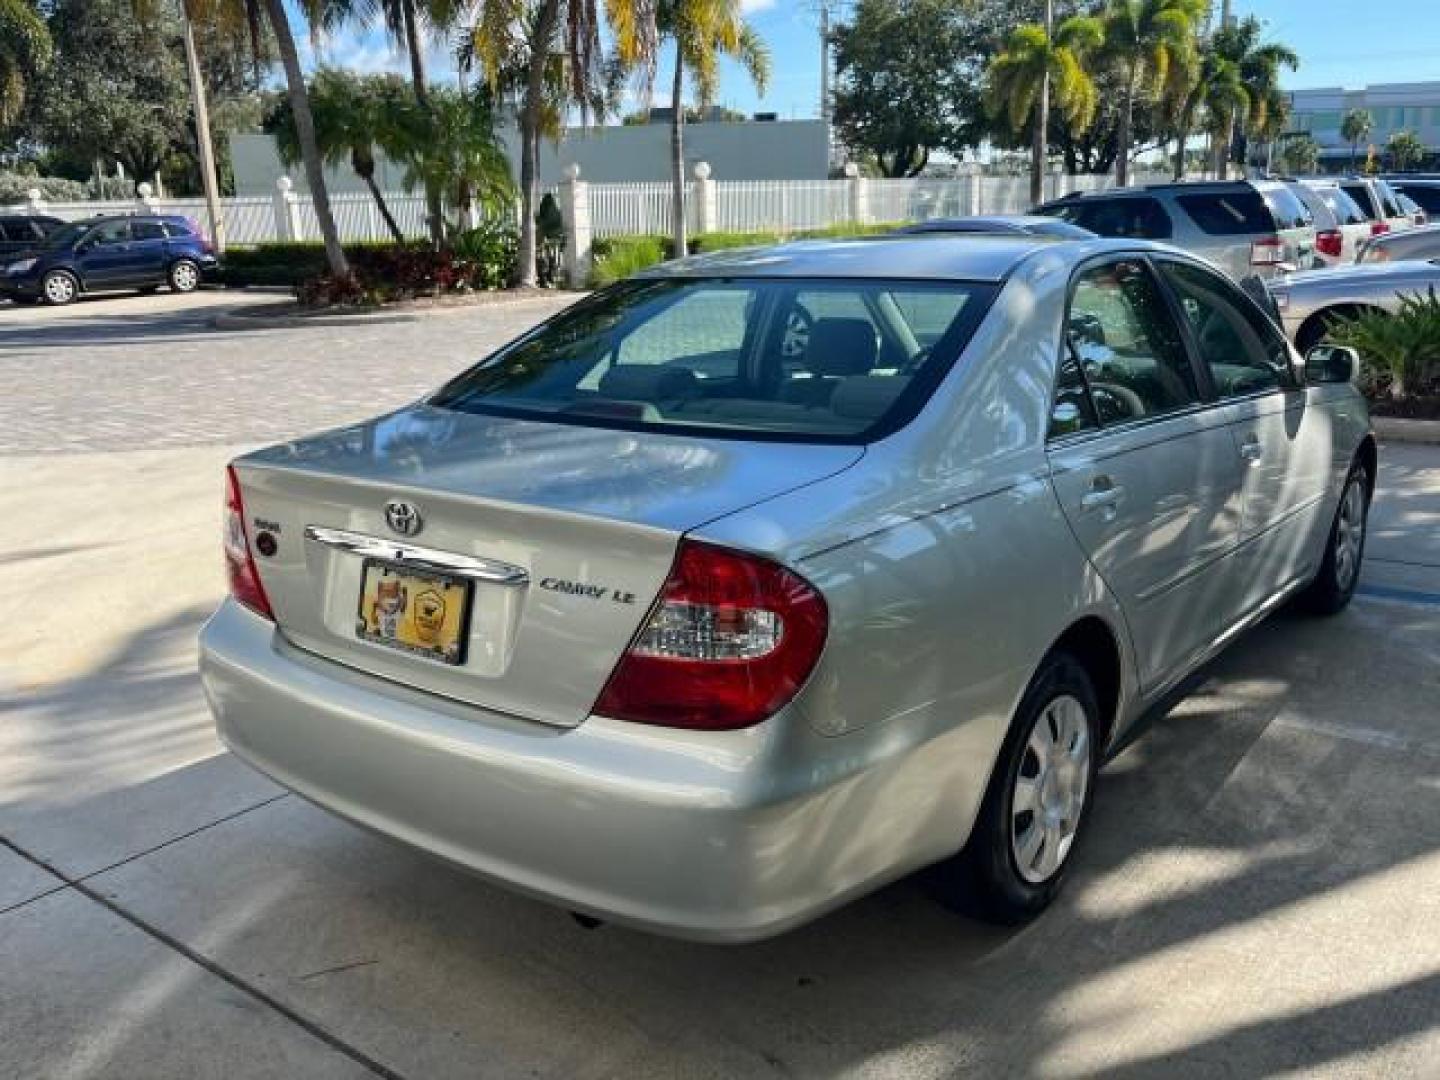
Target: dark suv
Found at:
140, 251
21, 232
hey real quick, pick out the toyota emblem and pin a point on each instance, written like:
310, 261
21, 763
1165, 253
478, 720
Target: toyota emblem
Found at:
403, 517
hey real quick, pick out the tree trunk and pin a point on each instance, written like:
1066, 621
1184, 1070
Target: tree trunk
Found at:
1122, 134
1182, 136
202, 135
305, 135
534, 99
368, 175
677, 155
433, 210
1038, 149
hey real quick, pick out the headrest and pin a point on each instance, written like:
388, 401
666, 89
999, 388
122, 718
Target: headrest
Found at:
867, 397
840, 347
649, 382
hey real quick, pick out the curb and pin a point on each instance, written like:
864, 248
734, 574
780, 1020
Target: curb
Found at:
238, 319
1396, 430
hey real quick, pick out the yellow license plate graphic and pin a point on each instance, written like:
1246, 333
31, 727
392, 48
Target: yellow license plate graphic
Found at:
414, 611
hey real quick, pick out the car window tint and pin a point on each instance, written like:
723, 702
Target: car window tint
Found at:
702, 331
1323, 216
111, 232
1427, 195
1121, 328
1392, 208
177, 230
1142, 219
926, 312
1343, 206
1229, 213
1244, 353
1361, 194
1287, 208
148, 230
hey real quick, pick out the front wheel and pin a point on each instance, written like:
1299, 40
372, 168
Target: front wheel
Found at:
1037, 801
1334, 585
184, 276
59, 287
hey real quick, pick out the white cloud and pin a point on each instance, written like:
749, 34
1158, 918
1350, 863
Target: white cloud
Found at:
751, 6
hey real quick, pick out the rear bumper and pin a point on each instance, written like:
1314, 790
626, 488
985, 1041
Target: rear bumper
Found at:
701, 835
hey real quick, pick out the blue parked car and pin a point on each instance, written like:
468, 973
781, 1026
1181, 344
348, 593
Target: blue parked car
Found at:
139, 251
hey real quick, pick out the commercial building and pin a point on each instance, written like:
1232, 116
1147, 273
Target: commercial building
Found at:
1392, 107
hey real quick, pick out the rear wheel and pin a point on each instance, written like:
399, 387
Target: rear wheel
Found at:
1334, 585
59, 287
184, 276
1037, 802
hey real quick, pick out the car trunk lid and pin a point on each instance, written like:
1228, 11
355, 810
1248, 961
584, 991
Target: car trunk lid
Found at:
562, 535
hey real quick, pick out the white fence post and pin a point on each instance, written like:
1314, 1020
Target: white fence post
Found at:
705, 199
287, 213
145, 200
34, 201
574, 198
972, 190
859, 193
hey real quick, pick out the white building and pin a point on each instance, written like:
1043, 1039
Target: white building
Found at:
1392, 106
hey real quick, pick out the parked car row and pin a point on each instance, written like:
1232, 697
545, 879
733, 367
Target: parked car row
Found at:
48, 260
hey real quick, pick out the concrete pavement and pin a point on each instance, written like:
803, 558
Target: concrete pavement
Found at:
1258, 895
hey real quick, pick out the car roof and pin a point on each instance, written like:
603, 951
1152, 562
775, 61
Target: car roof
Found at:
988, 257
1183, 186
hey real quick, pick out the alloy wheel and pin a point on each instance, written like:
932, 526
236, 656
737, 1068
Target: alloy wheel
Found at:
1349, 534
59, 288
1050, 788
184, 277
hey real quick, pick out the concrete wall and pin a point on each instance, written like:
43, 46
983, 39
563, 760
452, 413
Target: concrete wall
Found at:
782, 150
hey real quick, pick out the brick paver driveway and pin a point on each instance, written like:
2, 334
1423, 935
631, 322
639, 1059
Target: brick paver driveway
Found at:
1259, 896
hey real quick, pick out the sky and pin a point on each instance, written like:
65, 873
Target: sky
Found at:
1340, 43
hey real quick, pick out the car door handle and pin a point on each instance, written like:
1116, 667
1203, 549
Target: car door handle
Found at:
1104, 494
1251, 450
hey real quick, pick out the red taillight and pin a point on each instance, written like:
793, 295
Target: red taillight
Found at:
1379, 228
732, 638
1267, 251
1330, 242
239, 562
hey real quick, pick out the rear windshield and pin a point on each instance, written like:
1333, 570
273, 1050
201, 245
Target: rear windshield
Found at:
1427, 195
1134, 218
1229, 213
778, 358
1361, 194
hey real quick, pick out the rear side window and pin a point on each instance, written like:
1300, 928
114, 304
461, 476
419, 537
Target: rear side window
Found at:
177, 230
1361, 194
1135, 218
148, 230
1322, 215
1426, 195
1229, 213
1343, 206
1289, 211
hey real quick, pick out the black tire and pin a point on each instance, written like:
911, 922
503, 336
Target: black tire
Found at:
986, 878
184, 275
59, 287
1334, 584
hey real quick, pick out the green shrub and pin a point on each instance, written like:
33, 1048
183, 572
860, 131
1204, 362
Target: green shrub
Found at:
720, 241
1404, 346
284, 264
848, 228
617, 257
491, 252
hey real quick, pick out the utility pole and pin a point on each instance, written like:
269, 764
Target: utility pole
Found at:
202, 135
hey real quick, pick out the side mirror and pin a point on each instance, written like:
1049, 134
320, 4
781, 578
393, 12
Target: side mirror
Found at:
1331, 364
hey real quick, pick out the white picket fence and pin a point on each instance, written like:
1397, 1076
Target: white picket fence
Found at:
781, 206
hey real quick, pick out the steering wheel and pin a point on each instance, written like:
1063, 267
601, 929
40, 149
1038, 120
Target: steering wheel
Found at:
796, 336
1115, 402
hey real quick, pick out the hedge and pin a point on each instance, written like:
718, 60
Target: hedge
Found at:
286, 263
617, 257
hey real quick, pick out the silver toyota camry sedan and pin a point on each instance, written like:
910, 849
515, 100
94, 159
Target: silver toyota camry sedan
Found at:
751, 583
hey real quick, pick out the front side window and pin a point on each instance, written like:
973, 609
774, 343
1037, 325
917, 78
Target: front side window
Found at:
815, 360
111, 232
1360, 192
1244, 353
1121, 330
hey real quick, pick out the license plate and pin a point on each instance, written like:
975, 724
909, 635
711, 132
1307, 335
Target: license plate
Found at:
416, 611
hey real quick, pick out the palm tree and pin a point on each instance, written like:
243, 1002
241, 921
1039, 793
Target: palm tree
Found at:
24, 51
451, 148
1405, 149
353, 115
1152, 44
1035, 66
703, 31
1218, 91
1257, 65
1355, 128
527, 40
